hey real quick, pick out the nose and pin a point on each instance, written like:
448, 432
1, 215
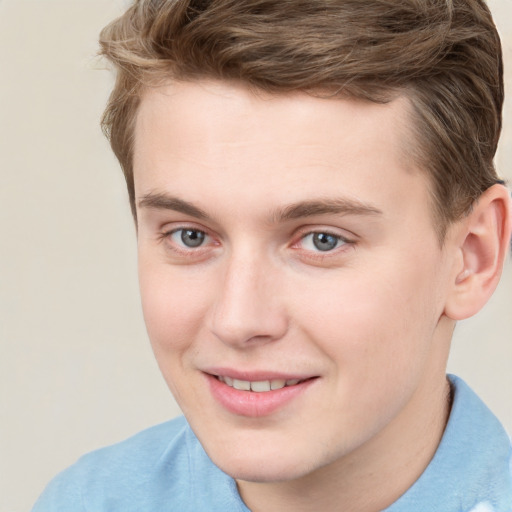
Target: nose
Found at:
248, 307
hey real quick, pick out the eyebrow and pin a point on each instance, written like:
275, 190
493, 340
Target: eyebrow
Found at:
338, 206
166, 202
329, 206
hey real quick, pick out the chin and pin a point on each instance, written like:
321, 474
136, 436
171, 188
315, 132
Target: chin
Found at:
266, 465
263, 472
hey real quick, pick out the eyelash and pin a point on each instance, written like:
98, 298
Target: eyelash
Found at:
342, 243
183, 250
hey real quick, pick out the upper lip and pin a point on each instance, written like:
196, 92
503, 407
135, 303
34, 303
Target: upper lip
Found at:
256, 375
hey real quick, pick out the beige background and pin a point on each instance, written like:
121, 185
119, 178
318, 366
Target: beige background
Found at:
76, 371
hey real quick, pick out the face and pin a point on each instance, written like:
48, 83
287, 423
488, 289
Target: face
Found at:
292, 281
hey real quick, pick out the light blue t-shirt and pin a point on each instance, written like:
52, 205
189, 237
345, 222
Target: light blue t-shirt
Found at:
165, 469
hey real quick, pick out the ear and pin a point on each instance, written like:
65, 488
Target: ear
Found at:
484, 241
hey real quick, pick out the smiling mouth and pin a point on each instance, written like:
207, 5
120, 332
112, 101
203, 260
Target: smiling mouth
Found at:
258, 397
260, 386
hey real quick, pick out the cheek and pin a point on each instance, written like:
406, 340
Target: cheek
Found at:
374, 323
174, 308
377, 333
173, 305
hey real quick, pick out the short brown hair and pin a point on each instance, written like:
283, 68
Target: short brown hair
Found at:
445, 55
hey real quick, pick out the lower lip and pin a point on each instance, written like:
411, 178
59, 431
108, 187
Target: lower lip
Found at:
251, 403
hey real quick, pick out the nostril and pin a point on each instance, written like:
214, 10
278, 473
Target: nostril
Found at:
246, 310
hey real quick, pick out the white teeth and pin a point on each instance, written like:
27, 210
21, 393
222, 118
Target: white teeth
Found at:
260, 386
277, 384
257, 386
243, 385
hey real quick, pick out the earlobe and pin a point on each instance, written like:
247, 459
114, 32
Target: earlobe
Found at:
485, 241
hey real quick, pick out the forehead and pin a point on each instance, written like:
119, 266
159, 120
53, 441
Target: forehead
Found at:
205, 105
204, 138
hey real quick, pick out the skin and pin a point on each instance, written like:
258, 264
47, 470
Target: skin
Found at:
367, 319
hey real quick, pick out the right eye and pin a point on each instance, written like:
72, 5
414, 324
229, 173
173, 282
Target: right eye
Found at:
187, 238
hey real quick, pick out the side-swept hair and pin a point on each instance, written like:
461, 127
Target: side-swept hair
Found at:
444, 55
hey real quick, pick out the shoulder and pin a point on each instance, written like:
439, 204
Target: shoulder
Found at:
161, 468
147, 464
143, 448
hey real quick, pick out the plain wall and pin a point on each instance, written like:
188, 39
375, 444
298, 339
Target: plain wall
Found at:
76, 369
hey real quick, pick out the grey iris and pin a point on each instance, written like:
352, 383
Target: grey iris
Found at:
324, 241
192, 237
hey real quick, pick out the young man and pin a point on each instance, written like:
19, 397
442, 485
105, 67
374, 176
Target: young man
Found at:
316, 206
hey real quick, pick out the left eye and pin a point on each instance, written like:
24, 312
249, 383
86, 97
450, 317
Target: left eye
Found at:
189, 238
322, 242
